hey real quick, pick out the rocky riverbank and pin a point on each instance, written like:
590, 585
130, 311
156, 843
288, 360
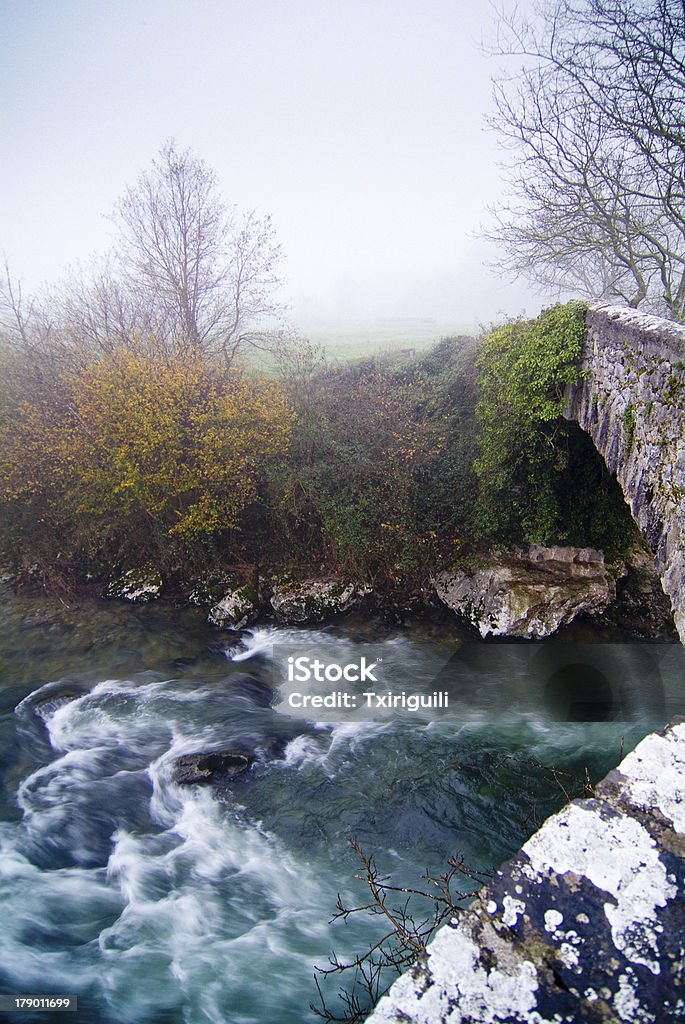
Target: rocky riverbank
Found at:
529, 594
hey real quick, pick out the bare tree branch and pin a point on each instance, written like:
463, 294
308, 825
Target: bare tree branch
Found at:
404, 943
594, 117
186, 274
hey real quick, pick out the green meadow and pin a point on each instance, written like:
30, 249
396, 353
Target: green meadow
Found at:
352, 339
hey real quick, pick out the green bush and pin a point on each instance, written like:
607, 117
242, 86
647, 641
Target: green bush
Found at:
380, 477
541, 480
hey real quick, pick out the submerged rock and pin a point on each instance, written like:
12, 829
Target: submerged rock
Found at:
136, 585
46, 708
215, 767
530, 594
315, 600
233, 644
51, 697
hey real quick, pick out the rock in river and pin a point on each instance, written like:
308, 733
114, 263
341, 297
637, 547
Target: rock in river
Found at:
237, 607
529, 594
315, 600
216, 767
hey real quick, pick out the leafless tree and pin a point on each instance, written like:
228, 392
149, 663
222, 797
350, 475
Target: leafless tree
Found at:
95, 311
16, 312
186, 273
594, 116
32, 355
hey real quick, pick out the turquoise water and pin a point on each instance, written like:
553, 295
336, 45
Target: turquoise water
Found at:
157, 903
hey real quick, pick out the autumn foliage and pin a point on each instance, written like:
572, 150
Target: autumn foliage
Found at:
380, 470
131, 458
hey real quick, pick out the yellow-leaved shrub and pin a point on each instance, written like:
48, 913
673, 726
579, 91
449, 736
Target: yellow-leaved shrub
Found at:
132, 458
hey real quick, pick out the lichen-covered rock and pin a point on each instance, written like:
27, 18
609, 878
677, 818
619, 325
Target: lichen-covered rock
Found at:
531, 594
136, 585
584, 925
207, 591
315, 600
236, 609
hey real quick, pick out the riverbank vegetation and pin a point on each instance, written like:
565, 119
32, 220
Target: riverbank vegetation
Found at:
382, 470
130, 459
158, 411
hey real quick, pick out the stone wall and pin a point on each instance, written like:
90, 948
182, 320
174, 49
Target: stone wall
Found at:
586, 924
632, 404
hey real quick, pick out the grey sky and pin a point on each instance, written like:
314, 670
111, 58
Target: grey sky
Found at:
358, 125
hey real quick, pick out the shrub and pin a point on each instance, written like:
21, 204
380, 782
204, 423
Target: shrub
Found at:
541, 480
380, 479
526, 366
136, 458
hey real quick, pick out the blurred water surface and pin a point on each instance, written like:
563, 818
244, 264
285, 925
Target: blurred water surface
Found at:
157, 903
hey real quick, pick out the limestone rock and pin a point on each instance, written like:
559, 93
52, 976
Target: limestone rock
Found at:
236, 609
584, 925
531, 594
136, 585
315, 600
208, 590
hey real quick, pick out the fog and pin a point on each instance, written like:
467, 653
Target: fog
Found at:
359, 126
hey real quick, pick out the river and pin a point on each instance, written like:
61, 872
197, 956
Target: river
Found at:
157, 903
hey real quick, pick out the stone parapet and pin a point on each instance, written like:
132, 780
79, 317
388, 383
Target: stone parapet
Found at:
631, 402
586, 924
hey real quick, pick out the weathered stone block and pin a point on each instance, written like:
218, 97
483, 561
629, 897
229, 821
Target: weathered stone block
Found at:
530, 595
586, 924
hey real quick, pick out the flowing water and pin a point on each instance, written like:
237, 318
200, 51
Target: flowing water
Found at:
158, 903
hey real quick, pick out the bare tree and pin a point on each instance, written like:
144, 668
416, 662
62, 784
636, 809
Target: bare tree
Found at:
186, 273
16, 312
594, 116
34, 357
95, 311
198, 276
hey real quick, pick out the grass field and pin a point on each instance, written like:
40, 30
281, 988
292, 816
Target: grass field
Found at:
353, 339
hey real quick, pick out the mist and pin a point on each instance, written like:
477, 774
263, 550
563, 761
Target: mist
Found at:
360, 128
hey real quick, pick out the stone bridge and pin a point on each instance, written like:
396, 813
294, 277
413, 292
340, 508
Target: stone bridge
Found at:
632, 404
587, 923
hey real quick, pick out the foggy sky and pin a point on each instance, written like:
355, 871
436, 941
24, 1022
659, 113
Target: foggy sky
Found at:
358, 125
